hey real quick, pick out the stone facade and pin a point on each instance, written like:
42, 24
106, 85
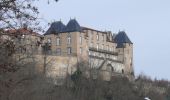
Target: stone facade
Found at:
66, 46
104, 51
24, 40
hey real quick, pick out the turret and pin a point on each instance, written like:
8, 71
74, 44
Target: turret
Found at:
125, 52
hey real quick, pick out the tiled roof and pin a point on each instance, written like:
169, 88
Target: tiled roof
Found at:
22, 31
73, 26
56, 27
121, 38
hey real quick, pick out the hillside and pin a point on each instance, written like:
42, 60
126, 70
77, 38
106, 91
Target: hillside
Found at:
24, 84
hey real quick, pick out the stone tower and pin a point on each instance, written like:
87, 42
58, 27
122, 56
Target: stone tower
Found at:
125, 52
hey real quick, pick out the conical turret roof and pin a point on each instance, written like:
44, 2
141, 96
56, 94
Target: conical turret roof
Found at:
121, 38
73, 26
56, 27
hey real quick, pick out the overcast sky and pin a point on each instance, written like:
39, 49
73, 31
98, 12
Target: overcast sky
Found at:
146, 22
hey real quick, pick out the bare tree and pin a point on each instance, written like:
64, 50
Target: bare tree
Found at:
17, 70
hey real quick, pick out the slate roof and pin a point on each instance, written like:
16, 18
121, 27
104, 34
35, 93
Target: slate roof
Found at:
56, 27
73, 26
59, 27
121, 38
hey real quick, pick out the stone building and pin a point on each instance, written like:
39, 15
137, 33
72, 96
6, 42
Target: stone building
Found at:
24, 40
107, 53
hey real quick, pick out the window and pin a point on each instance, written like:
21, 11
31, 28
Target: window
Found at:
122, 71
114, 57
58, 41
91, 35
107, 48
89, 52
113, 49
99, 54
130, 60
80, 39
102, 46
103, 37
127, 51
97, 46
49, 51
68, 40
109, 67
94, 54
97, 36
81, 50
91, 44
49, 40
36, 39
58, 51
69, 50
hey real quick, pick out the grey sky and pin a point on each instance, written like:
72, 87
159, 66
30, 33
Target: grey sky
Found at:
147, 23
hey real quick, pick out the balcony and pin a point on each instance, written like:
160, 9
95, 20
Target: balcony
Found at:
103, 51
